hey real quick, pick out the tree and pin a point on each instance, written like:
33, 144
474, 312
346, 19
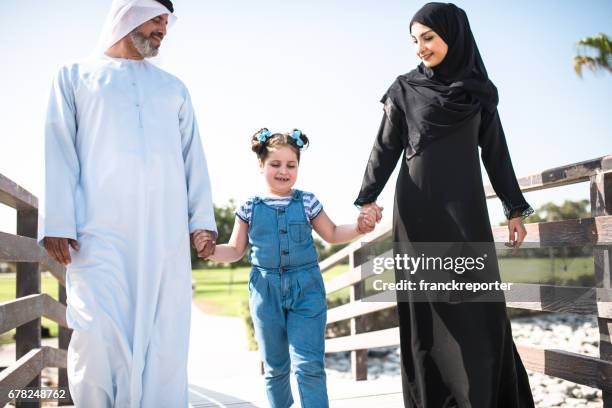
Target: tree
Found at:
602, 46
568, 210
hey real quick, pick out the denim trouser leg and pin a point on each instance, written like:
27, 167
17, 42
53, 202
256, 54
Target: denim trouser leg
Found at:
306, 321
289, 314
269, 321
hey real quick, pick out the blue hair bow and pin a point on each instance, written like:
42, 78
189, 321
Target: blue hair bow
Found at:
263, 135
297, 136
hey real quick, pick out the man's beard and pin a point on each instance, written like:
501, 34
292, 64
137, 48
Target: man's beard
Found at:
143, 44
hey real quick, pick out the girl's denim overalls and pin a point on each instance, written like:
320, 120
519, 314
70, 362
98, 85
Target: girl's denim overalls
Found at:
287, 301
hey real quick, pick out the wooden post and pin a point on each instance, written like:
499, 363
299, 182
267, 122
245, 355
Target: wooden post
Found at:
63, 341
601, 204
28, 283
359, 358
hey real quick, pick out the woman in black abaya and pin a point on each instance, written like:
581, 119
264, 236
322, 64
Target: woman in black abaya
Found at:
435, 118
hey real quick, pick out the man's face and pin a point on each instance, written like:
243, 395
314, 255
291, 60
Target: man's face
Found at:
155, 29
148, 37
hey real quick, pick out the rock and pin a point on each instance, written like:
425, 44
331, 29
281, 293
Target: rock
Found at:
552, 401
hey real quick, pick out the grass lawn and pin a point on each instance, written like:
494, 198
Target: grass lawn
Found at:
49, 285
542, 270
221, 291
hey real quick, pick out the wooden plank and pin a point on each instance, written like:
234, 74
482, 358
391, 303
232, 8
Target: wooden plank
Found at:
63, 342
529, 296
20, 311
561, 299
379, 234
561, 176
601, 206
15, 196
20, 374
359, 358
56, 269
373, 339
15, 248
573, 367
352, 276
585, 231
27, 336
342, 281
55, 357
359, 308
54, 310
333, 260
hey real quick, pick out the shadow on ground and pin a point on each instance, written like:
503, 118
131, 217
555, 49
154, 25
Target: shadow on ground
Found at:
200, 397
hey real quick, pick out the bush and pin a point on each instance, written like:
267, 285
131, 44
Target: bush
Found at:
245, 313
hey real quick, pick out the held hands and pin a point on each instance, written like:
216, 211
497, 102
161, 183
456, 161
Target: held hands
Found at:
369, 216
57, 248
204, 242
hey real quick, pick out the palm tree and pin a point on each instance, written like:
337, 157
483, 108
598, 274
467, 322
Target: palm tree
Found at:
602, 61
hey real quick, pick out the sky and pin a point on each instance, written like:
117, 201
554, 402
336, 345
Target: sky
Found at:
322, 67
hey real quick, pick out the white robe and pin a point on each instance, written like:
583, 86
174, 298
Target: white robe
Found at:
126, 176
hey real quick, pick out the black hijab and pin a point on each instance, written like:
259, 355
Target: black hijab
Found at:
438, 100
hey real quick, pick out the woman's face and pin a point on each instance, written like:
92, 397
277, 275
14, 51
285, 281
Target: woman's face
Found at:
429, 46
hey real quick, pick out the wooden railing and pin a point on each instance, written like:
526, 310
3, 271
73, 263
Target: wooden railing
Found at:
597, 300
25, 311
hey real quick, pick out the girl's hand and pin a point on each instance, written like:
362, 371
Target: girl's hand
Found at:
366, 221
373, 207
204, 242
516, 232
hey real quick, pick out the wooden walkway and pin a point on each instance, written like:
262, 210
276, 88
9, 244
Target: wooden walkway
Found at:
222, 373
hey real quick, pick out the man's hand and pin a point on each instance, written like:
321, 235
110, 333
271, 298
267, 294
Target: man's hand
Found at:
57, 248
516, 232
204, 242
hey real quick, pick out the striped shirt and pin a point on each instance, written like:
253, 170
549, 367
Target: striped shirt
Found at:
312, 206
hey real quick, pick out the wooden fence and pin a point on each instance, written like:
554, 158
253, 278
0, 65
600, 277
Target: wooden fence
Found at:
595, 231
25, 311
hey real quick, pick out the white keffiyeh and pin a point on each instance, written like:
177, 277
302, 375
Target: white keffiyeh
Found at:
126, 15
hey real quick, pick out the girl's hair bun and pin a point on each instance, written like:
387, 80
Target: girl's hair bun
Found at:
263, 140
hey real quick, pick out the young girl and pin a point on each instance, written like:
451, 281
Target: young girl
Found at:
286, 290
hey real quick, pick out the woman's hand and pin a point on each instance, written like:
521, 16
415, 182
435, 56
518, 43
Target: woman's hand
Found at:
366, 221
516, 232
376, 208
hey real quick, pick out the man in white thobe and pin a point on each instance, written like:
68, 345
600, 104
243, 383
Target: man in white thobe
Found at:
126, 185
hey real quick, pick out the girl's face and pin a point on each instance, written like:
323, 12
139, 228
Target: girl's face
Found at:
429, 46
280, 170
